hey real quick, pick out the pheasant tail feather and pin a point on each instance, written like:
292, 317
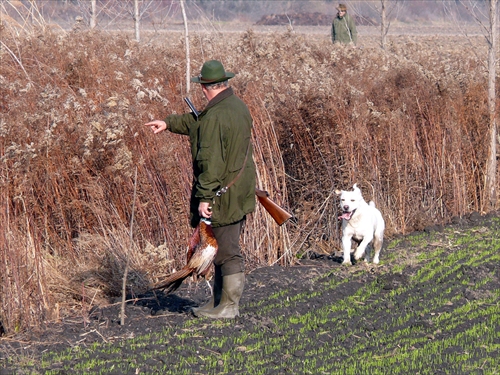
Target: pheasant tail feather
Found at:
173, 281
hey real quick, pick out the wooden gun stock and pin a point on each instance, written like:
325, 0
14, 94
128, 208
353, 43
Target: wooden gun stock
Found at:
278, 214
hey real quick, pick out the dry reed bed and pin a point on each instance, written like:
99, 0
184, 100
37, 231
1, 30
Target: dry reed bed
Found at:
408, 125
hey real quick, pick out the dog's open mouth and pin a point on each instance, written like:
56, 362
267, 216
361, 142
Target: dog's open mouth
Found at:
346, 215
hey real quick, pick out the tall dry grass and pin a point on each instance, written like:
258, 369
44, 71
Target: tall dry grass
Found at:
407, 125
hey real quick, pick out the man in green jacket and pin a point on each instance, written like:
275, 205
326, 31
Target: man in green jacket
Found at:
221, 151
343, 27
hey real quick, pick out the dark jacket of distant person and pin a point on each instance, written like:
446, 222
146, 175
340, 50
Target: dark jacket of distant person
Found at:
344, 28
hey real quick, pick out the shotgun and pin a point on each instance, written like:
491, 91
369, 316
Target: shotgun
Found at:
190, 104
278, 213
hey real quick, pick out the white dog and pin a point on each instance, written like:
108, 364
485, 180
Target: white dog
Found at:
361, 222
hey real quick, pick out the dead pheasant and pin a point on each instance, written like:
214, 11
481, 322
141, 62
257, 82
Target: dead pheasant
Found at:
201, 253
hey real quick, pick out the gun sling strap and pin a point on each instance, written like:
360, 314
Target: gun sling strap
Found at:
224, 189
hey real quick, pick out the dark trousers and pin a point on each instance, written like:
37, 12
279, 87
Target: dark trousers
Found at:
229, 257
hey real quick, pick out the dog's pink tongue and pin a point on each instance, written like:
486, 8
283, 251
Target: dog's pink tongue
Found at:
345, 215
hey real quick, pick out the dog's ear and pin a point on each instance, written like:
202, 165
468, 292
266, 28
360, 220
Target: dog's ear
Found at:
338, 192
357, 190
355, 187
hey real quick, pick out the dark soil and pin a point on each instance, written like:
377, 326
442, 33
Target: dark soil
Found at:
153, 312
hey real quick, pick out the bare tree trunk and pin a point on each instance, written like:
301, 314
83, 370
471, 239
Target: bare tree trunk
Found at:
188, 60
383, 27
127, 264
93, 14
386, 11
137, 20
32, 11
491, 165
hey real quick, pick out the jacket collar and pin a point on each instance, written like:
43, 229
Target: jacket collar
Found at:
220, 97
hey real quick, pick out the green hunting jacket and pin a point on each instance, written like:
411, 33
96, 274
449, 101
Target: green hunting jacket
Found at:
344, 30
220, 140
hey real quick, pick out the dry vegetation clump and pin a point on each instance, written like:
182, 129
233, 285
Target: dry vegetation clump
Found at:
407, 125
69, 150
394, 122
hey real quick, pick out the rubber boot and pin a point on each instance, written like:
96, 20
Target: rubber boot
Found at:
216, 294
232, 289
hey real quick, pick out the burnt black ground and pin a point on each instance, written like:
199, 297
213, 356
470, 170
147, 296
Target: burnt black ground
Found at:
152, 312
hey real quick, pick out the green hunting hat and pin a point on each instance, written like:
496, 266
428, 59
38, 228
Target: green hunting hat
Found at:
342, 7
212, 72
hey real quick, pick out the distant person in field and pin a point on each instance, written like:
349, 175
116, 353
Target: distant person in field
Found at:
344, 28
223, 189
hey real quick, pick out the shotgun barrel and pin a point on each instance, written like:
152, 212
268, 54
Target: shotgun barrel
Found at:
192, 108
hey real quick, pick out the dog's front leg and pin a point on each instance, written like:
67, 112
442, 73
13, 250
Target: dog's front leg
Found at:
346, 246
368, 251
360, 251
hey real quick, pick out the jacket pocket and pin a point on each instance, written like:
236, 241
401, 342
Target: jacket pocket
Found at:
204, 152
